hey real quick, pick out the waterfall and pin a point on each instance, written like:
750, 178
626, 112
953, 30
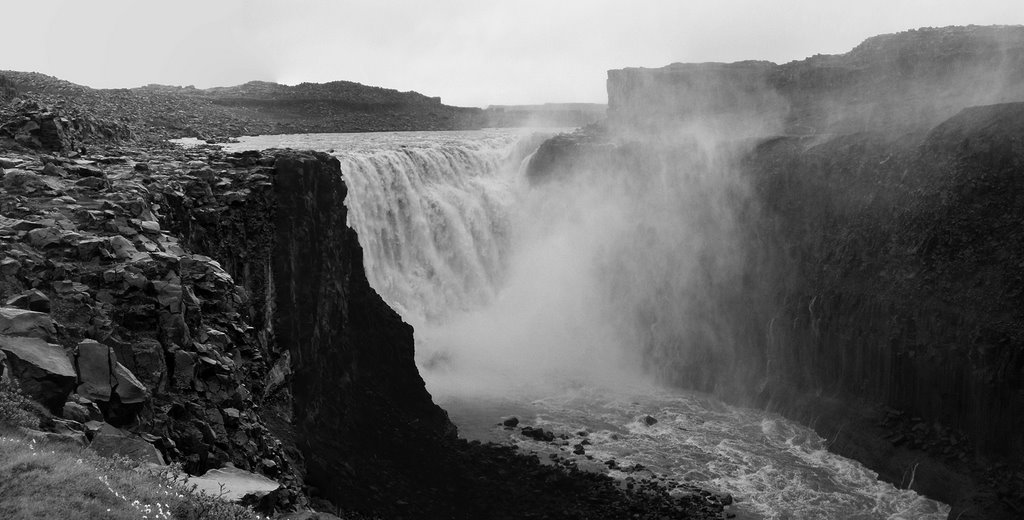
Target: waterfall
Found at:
499, 279
433, 218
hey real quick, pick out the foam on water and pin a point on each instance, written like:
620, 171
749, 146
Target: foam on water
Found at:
774, 467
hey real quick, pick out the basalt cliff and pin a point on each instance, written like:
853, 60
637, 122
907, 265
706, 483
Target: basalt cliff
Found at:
871, 205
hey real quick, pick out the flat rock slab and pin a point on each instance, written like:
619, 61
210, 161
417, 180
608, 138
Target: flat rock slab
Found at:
109, 441
236, 483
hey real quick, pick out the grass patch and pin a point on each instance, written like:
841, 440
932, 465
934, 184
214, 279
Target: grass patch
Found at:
47, 481
15, 408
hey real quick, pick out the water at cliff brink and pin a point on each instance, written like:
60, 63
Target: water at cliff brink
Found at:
504, 284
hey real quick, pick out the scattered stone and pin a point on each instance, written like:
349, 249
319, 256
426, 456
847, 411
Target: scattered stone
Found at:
649, 421
538, 434
510, 422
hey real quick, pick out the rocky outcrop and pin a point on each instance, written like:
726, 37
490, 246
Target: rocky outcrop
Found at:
147, 337
897, 81
36, 126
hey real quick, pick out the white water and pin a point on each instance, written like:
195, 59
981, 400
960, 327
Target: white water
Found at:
498, 279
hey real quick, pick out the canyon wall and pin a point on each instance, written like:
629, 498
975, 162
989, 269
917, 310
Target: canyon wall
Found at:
879, 297
890, 83
344, 390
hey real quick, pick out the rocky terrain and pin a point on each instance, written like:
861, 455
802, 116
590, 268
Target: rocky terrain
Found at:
207, 309
257, 107
878, 297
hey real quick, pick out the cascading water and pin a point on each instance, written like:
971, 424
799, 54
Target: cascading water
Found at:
527, 300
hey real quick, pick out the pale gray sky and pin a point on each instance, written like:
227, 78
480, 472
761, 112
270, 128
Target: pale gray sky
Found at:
469, 52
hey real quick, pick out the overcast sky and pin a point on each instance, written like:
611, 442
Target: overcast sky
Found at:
469, 52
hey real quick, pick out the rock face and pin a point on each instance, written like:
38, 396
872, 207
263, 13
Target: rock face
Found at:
878, 295
897, 81
355, 385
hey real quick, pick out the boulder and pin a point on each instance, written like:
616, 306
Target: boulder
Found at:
91, 248
129, 389
42, 369
31, 300
22, 179
94, 361
109, 441
21, 322
75, 412
45, 237
122, 247
53, 170
101, 377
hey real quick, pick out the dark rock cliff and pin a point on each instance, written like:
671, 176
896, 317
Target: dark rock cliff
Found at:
344, 388
358, 396
880, 295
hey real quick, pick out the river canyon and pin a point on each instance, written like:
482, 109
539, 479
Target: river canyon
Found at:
752, 290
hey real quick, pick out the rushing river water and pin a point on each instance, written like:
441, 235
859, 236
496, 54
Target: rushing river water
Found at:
498, 277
